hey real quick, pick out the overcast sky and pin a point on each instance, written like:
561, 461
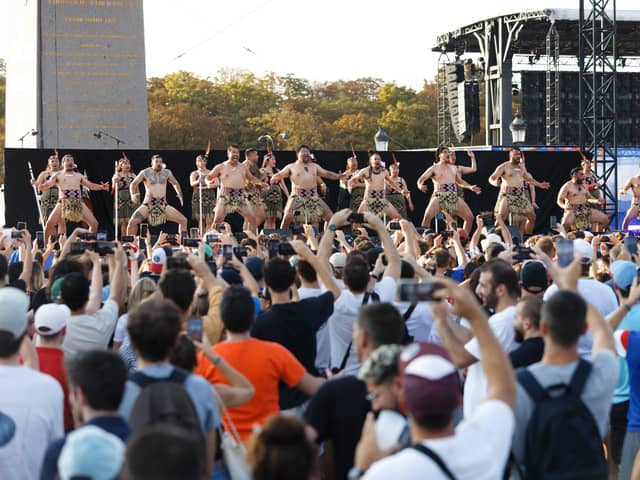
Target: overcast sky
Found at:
328, 40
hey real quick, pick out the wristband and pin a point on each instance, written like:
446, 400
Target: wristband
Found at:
627, 307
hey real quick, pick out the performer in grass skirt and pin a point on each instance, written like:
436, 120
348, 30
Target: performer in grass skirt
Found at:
272, 197
123, 178
198, 181
395, 198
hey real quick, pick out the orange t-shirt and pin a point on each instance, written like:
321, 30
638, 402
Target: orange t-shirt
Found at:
264, 364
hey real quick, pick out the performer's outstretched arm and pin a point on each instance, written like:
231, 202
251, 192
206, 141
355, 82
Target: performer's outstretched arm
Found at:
330, 175
134, 187
562, 196
474, 165
176, 186
527, 176
94, 186
423, 178
50, 183
281, 175
494, 179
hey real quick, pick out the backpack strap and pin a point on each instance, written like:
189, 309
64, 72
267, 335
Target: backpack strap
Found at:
374, 297
435, 458
409, 311
580, 376
531, 385
142, 380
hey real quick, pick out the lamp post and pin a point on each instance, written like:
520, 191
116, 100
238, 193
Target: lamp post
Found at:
518, 127
382, 140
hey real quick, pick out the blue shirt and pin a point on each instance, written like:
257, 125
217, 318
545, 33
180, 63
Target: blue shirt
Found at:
631, 321
198, 388
112, 424
633, 362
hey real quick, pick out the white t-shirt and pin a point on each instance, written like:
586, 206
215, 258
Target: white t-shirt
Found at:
34, 401
603, 299
345, 311
478, 450
420, 323
475, 388
91, 332
121, 328
323, 341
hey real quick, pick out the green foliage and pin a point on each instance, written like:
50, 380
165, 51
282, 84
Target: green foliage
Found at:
186, 111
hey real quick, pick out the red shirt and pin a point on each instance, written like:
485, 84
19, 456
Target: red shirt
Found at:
52, 363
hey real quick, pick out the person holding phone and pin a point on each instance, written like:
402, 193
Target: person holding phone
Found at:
304, 174
155, 207
123, 178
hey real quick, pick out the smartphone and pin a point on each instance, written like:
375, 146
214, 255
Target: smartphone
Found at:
272, 246
103, 247
211, 238
16, 234
172, 238
144, 229
419, 292
631, 244
240, 251
285, 249
194, 232
101, 236
184, 235
81, 247
128, 239
21, 225
553, 221
221, 226
190, 242
194, 329
40, 239
89, 236
356, 218
523, 253
565, 252
227, 253
394, 225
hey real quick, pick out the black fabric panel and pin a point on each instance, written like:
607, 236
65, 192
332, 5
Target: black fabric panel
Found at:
99, 165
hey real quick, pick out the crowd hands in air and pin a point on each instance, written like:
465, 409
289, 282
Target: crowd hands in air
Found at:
367, 349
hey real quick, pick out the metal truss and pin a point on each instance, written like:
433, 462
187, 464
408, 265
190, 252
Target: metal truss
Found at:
552, 90
597, 93
444, 122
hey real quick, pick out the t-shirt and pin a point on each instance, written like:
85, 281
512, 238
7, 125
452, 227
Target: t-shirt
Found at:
599, 295
345, 311
115, 425
91, 332
628, 347
265, 365
197, 387
597, 392
528, 352
475, 388
51, 362
337, 412
33, 401
323, 341
420, 322
121, 328
294, 326
478, 450
631, 321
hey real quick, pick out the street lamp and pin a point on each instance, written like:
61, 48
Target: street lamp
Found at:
382, 140
518, 129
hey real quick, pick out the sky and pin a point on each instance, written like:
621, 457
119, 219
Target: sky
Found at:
320, 41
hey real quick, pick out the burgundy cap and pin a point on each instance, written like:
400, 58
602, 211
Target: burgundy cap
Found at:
430, 381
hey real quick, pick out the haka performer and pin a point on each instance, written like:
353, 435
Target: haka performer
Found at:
304, 198
463, 170
574, 198
377, 179
399, 200
233, 177
254, 196
198, 182
49, 197
445, 178
345, 194
634, 184
70, 207
273, 195
155, 207
510, 177
123, 178
593, 187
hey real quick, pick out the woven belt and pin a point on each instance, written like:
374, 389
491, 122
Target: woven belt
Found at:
581, 207
157, 202
72, 194
447, 187
234, 192
305, 192
513, 190
376, 193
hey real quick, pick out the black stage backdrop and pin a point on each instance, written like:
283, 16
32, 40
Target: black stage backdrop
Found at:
99, 166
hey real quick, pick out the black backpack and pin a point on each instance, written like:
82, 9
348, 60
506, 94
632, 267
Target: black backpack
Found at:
562, 438
163, 400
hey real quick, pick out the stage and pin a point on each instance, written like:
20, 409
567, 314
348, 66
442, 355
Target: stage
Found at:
552, 166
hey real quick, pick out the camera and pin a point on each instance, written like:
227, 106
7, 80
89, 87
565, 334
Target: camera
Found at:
77, 248
103, 247
88, 236
356, 218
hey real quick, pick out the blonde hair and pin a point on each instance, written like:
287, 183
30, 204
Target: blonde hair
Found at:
142, 289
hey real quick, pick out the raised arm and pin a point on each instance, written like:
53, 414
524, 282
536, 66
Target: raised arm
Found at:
176, 186
563, 196
474, 165
359, 176
424, 177
134, 187
394, 262
52, 182
281, 175
495, 177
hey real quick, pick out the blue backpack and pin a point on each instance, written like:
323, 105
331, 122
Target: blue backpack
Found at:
562, 437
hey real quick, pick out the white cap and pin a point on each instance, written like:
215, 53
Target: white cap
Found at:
582, 249
51, 318
491, 238
338, 260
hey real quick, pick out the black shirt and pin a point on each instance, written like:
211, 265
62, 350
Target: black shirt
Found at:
337, 412
294, 326
529, 352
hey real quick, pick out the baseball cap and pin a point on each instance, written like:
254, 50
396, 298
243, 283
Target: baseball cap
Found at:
430, 383
582, 249
623, 273
231, 276
338, 260
13, 314
255, 265
464, 235
533, 276
491, 238
51, 318
159, 258
91, 452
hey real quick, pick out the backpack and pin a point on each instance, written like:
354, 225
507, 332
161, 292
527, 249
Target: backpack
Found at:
163, 400
562, 438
